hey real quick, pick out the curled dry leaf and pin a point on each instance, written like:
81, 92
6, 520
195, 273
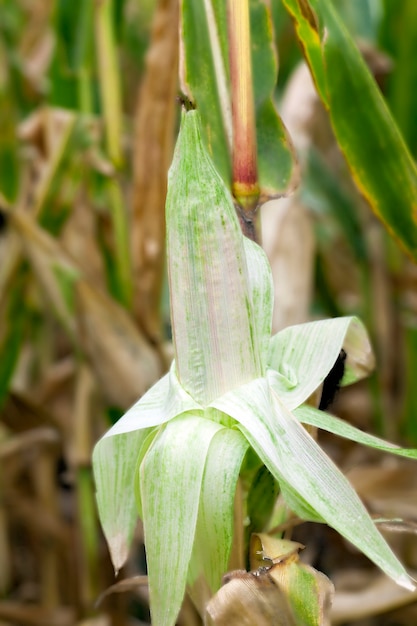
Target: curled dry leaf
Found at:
154, 141
247, 599
281, 591
128, 584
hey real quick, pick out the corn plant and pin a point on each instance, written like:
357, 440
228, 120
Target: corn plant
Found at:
176, 455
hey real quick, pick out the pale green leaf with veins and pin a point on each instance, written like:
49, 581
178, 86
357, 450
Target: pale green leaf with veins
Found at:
231, 386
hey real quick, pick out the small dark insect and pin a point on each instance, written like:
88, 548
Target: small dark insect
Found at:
185, 101
3, 219
331, 383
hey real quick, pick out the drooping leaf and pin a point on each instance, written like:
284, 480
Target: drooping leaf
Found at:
296, 460
398, 36
114, 462
301, 356
214, 532
116, 455
171, 477
376, 153
309, 415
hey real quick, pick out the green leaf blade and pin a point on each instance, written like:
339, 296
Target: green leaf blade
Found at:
277, 167
376, 153
200, 79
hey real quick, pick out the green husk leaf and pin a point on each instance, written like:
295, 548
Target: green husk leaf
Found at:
171, 478
215, 343
214, 532
276, 161
295, 459
114, 462
309, 415
301, 356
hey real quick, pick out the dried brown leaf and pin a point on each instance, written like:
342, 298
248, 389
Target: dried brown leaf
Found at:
124, 363
287, 238
154, 139
128, 584
32, 615
248, 600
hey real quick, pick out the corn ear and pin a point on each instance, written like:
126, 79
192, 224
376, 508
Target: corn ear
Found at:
215, 340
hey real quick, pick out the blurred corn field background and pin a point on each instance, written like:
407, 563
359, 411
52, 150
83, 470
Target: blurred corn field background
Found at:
88, 118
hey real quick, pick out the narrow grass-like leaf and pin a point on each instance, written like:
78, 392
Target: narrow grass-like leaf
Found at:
295, 459
114, 462
309, 415
211, 310
214, 532
301, 356
13, 315
277, 165
376, 153
171, 477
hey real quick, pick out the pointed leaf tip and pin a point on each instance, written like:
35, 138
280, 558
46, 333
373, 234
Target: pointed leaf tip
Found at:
215, 343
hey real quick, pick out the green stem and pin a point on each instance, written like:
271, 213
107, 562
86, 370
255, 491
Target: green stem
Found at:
87, 514
112, 110
109, 78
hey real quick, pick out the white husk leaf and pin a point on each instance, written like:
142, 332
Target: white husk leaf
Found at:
211, 311
214, 531
171, 475
114, 462
165, 400
300, 357
293, 457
